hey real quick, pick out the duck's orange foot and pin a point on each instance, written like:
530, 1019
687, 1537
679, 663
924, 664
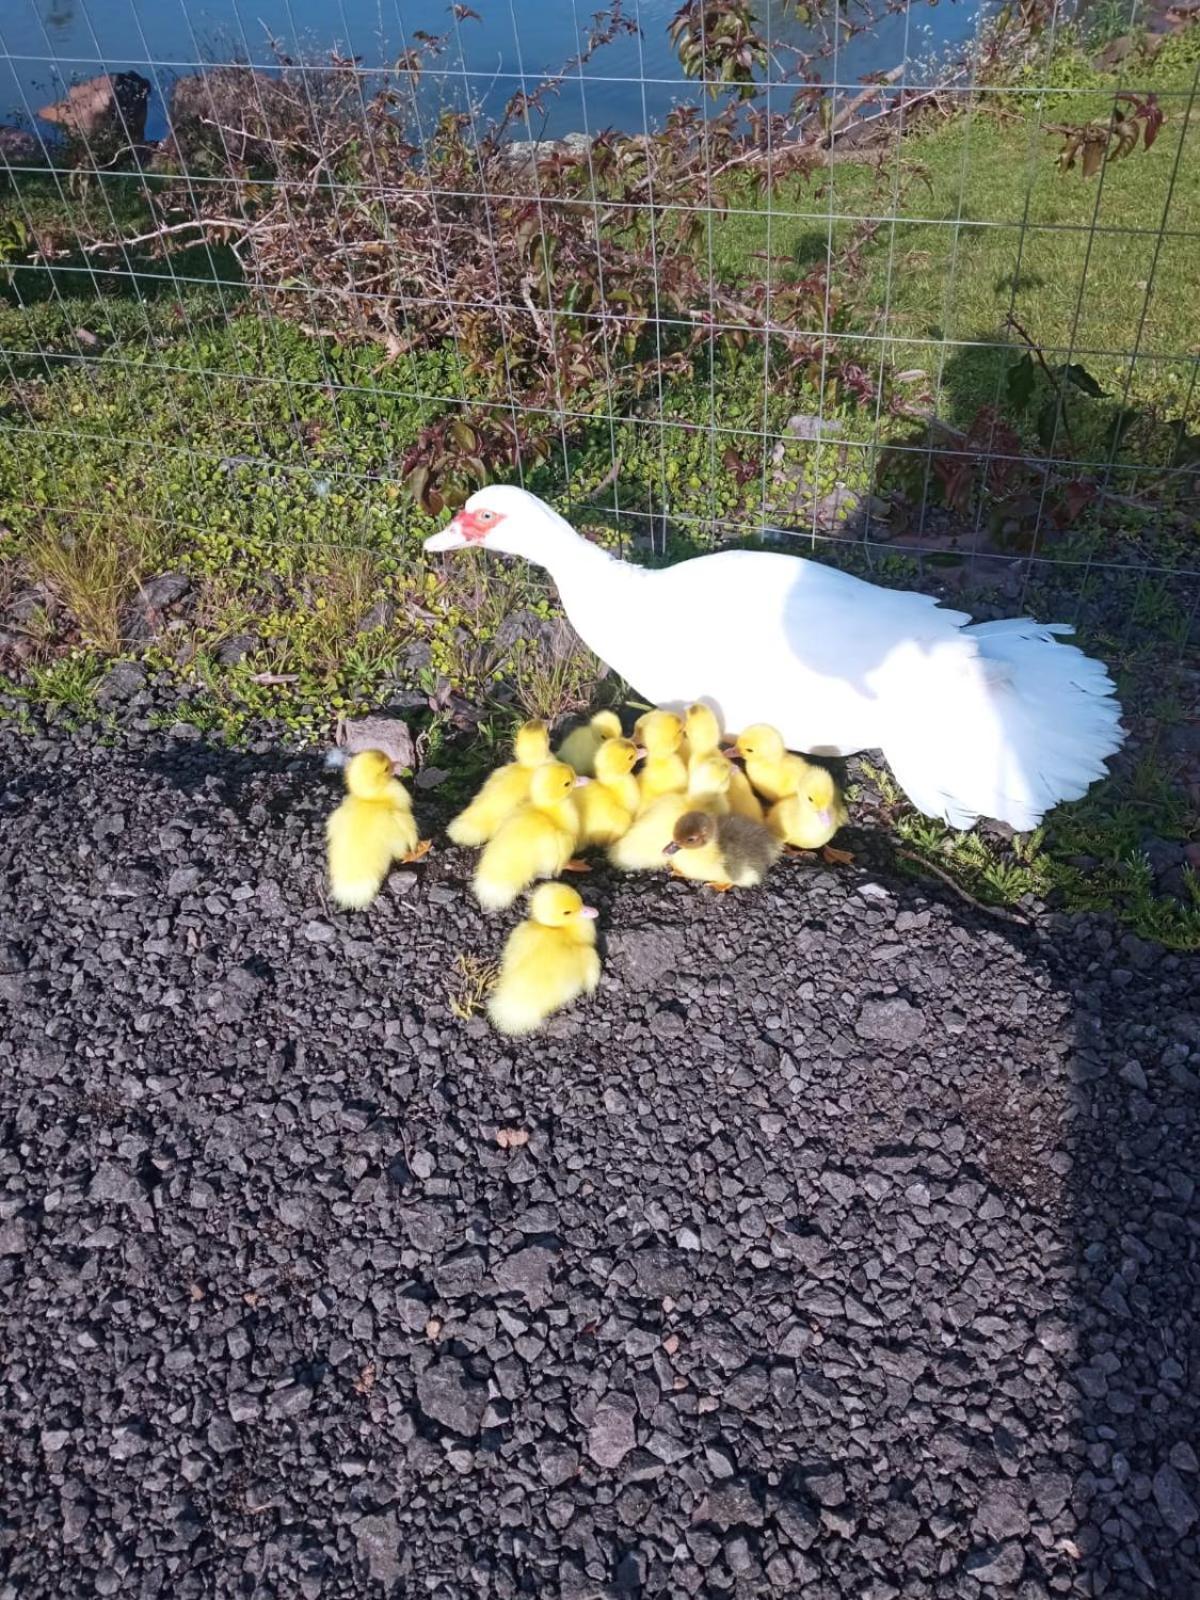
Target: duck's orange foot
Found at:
577, 865
837, 858
420, 852
795, 850
720, 888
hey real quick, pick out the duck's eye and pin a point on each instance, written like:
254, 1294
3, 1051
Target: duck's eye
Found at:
485, 516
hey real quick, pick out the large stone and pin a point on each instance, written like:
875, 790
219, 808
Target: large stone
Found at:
893, 1021
1175, 1505
115, 102
378, 1540
388, 734
999, 1564
447, 1393
20, 148
611, 1436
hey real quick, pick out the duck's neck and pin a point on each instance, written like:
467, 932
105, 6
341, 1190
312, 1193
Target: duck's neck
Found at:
573, 562
593, 586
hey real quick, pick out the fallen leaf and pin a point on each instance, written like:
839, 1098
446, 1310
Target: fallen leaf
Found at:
271, 680
366, 1379
196, 1291
419, 854
512, 1138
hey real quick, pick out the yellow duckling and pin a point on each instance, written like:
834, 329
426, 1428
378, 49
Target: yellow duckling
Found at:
608, 802
808, 819
579, 748
548, 961
505, 790
371, 828
727, 852
660, 733
702, 732
642, 848
537, 840
772, 771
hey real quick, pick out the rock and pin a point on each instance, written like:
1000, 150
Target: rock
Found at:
893, 1021
448, 1394
1002, 1512
660, 1271
999, 1565
116, 1184
113, 103
647, 953
1132, 1074
248, 107
558, 1462
182, 881
121, 682
1175, 1505
527, 1272
15, 1237
20, 148
378, 1541
733, 1505
826, 1488
388, 734
611, 1436
813, 427
236, 648
155, 594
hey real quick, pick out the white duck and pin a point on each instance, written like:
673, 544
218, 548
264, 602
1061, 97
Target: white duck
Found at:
994, 719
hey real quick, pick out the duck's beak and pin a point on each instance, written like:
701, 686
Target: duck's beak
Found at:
671, 849
824, 817
729, 751
452, 536
581, 782
588, 912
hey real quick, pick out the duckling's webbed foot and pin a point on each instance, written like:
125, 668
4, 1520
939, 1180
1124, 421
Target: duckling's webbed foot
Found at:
576, 864
419, 852
837, 858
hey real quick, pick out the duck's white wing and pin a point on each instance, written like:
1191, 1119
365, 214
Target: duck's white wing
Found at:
775, 638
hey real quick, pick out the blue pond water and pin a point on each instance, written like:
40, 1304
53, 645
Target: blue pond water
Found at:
45, 44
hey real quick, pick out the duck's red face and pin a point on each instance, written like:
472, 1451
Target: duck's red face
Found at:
466, 527
475, 525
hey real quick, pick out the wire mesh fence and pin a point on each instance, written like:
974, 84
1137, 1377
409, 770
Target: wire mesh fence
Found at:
919, 301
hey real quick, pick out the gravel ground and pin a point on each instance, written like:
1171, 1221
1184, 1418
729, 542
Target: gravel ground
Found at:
845, 1247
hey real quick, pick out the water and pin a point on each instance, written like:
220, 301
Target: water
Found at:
45, 44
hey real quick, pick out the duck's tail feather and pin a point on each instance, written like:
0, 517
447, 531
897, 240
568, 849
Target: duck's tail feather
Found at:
1008, 727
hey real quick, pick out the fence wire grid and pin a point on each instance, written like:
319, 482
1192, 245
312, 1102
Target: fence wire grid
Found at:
988, 369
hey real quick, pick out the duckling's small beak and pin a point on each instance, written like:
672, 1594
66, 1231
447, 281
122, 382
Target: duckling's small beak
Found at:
581, 782
589, 913
731, 752
672, 849
825, 817
641, 752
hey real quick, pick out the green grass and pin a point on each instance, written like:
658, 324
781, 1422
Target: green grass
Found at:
986, 224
